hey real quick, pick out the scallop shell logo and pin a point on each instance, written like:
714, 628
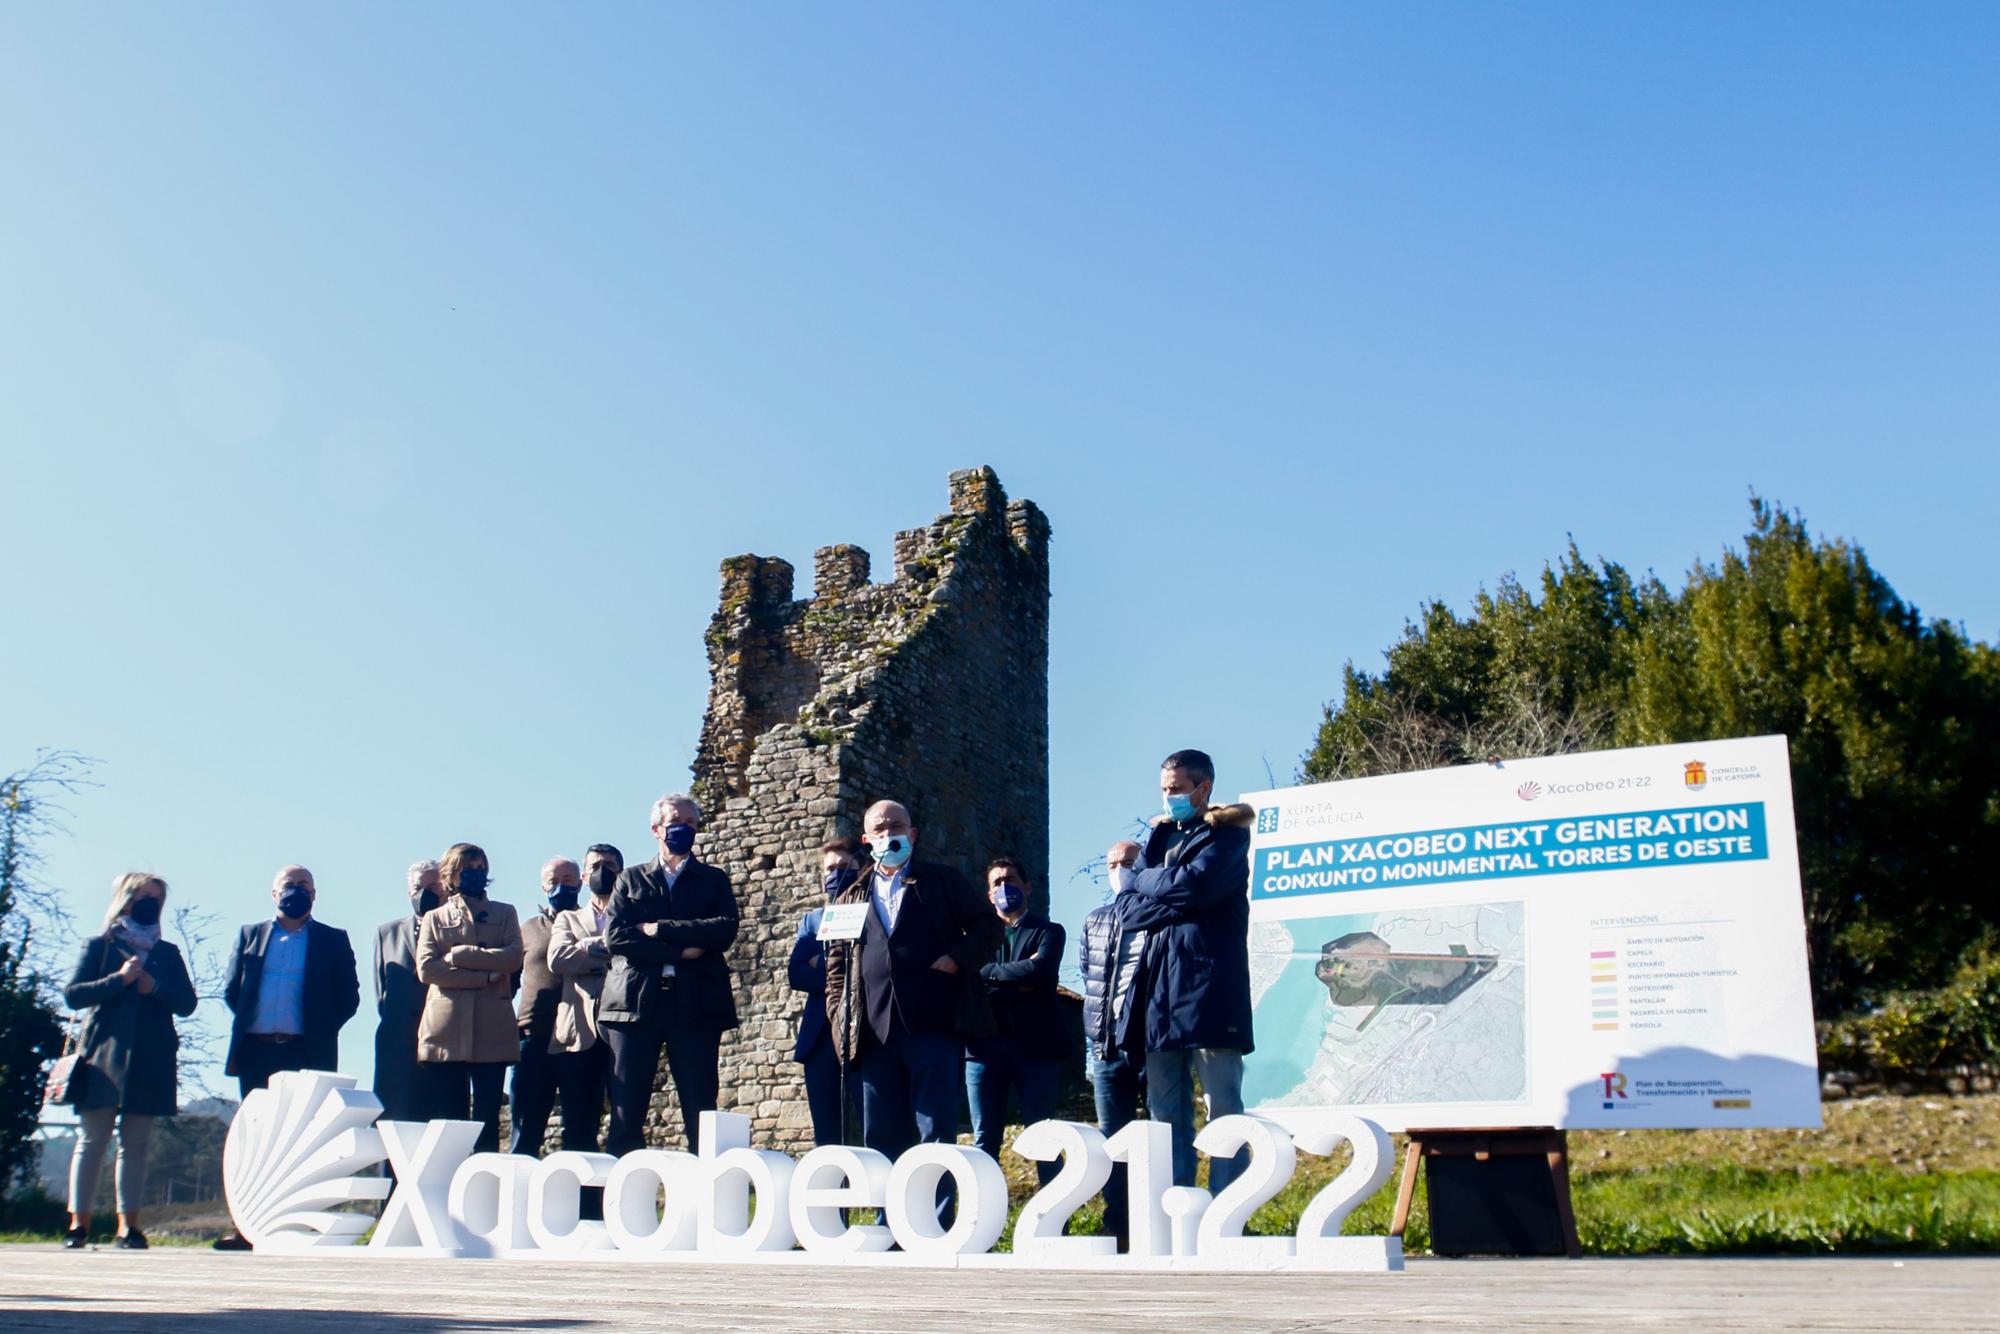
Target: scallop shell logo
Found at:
1528, 791
294, 1152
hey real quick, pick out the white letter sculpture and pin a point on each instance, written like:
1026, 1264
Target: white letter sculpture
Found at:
295, 1149
310, 1143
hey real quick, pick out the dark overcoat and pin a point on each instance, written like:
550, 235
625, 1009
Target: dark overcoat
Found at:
698, 912
129, 1048
1021, 982
1192, 895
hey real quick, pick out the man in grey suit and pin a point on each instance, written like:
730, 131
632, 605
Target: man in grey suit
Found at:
399, 1003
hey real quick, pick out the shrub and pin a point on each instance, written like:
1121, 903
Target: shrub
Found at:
1913, 1031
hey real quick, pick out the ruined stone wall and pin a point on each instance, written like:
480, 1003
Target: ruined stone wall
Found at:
930, 689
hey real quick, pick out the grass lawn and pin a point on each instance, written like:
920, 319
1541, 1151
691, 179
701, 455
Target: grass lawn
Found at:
1913, 1175
1723, 1209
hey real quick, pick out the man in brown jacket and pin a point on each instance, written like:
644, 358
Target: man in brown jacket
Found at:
534, 1093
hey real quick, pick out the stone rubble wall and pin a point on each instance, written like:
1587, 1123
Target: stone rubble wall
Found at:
930, 689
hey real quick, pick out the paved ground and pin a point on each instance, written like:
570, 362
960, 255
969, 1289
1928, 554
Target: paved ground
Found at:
172, 1291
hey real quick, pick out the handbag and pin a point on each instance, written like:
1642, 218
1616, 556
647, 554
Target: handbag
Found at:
63, 1074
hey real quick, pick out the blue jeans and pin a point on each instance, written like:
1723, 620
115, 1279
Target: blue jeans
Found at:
995, 1068
1170, 1098
910, 1091
1116, 1080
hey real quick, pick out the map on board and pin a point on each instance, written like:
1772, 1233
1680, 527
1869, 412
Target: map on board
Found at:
1413, 1005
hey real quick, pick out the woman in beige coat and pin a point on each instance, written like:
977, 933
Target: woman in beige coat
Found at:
468, 952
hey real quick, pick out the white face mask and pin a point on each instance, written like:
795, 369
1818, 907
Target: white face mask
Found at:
1121, 879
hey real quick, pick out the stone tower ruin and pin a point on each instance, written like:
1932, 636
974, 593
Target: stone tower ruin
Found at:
930, 689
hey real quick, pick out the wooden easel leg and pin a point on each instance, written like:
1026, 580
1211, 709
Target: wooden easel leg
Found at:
1559, 1173
1407, 1191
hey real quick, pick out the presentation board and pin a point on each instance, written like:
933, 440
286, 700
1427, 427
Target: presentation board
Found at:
1613, 939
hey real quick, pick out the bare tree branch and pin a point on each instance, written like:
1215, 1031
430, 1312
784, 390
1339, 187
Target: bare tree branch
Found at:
32, 909
199, 1057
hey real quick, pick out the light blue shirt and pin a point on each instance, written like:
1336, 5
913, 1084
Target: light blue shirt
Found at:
886, 893
281, 995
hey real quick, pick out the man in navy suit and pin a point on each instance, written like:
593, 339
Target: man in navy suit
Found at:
839, 862
292, 984
914, 996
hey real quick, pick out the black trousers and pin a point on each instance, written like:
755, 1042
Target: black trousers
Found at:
692, 1055
257, 1061
578, 1078
406, 1086
471, 1090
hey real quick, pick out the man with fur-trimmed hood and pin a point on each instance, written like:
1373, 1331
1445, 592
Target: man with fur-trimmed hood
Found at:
1192, 998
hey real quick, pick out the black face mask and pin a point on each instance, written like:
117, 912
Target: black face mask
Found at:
426, 900
472, 884
295, 902
145, 912
603, 879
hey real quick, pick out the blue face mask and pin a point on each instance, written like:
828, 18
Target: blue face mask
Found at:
679, 839
838, 879
472, 883
1180, 806
1006, 896
891, 850
562, 898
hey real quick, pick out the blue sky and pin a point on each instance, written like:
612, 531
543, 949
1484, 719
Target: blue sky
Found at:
381, 387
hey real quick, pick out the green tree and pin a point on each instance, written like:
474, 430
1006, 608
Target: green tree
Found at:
30, 1026
1889, 716
1516, 677
1891, 720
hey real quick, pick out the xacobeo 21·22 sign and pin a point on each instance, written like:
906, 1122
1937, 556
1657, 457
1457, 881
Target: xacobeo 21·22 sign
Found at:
311, 1142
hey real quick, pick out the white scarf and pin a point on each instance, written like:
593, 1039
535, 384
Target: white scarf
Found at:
139, 939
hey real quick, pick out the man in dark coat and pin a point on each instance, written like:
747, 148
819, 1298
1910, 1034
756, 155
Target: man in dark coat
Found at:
913, 993
1030, 1041
400, 1080
669, 923
813, 1049
292, 984
1192, 895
